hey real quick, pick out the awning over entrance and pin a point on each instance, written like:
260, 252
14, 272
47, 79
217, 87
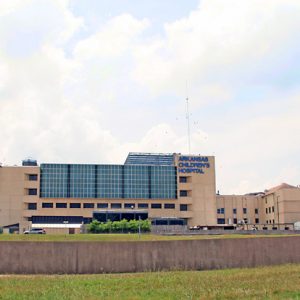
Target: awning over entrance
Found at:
168, 221
117, 215
56, 225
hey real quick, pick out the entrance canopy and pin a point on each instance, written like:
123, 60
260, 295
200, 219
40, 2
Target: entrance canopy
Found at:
117, 215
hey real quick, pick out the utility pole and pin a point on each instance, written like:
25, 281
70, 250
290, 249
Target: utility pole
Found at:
188, 119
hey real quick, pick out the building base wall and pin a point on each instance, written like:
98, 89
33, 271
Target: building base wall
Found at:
117, 257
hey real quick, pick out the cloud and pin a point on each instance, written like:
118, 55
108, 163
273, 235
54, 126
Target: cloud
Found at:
26, 26
117, 36
261, 151
66, 97
221, 43
9, 6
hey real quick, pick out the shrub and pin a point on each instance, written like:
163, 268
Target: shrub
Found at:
133, 225
119, 226
145, 225
124, 226
93, 226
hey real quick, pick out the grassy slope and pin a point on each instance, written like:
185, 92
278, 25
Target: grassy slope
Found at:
277, 282
118, 237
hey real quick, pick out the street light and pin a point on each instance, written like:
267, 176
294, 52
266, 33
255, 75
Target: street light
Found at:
66, 224
139, 226
132, 207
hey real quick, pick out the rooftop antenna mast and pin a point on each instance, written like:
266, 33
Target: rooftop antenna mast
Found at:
188, 118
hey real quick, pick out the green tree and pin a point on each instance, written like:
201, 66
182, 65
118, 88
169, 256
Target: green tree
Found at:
124, 225
145, 225
133, 225
103, 227
93, 226
116, 226
119, 226
109, 226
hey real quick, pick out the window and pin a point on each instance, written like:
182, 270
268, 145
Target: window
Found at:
266, 210
47, 205
116, 205
143, 205
183, 193
155, 205
32, 177
129, 205
234, 221
221, 210
182, 179
256, 210
169, 206
221, 221
88, 205
32, 206
183, 207
244, 210
102, 205
234, 211
272, 208
61, 205
256, 221
269, 209
75, 205
32, 192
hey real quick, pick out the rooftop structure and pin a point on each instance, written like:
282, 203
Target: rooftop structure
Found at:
150, 159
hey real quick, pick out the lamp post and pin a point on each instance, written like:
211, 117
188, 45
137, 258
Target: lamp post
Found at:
278, 213
66, 224
132, 207
139, 226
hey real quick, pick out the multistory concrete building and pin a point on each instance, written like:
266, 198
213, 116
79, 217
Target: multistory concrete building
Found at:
277, 208
172, 188
169, 189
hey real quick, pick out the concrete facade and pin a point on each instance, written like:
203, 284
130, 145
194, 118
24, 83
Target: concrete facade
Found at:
277, 207
14, 195
201, 199
116, 257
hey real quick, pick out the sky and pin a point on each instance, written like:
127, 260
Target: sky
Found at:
89, 81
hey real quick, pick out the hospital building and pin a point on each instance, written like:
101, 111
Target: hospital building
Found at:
168, 189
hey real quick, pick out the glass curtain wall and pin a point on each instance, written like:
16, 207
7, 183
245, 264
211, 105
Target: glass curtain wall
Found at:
108, 181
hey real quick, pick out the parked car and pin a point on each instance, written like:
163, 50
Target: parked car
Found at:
195, 228
35, 231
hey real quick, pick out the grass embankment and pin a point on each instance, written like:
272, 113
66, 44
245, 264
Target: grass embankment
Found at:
276, 282
119, 237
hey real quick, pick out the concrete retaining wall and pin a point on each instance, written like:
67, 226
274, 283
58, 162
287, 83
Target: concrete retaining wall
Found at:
112, 257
